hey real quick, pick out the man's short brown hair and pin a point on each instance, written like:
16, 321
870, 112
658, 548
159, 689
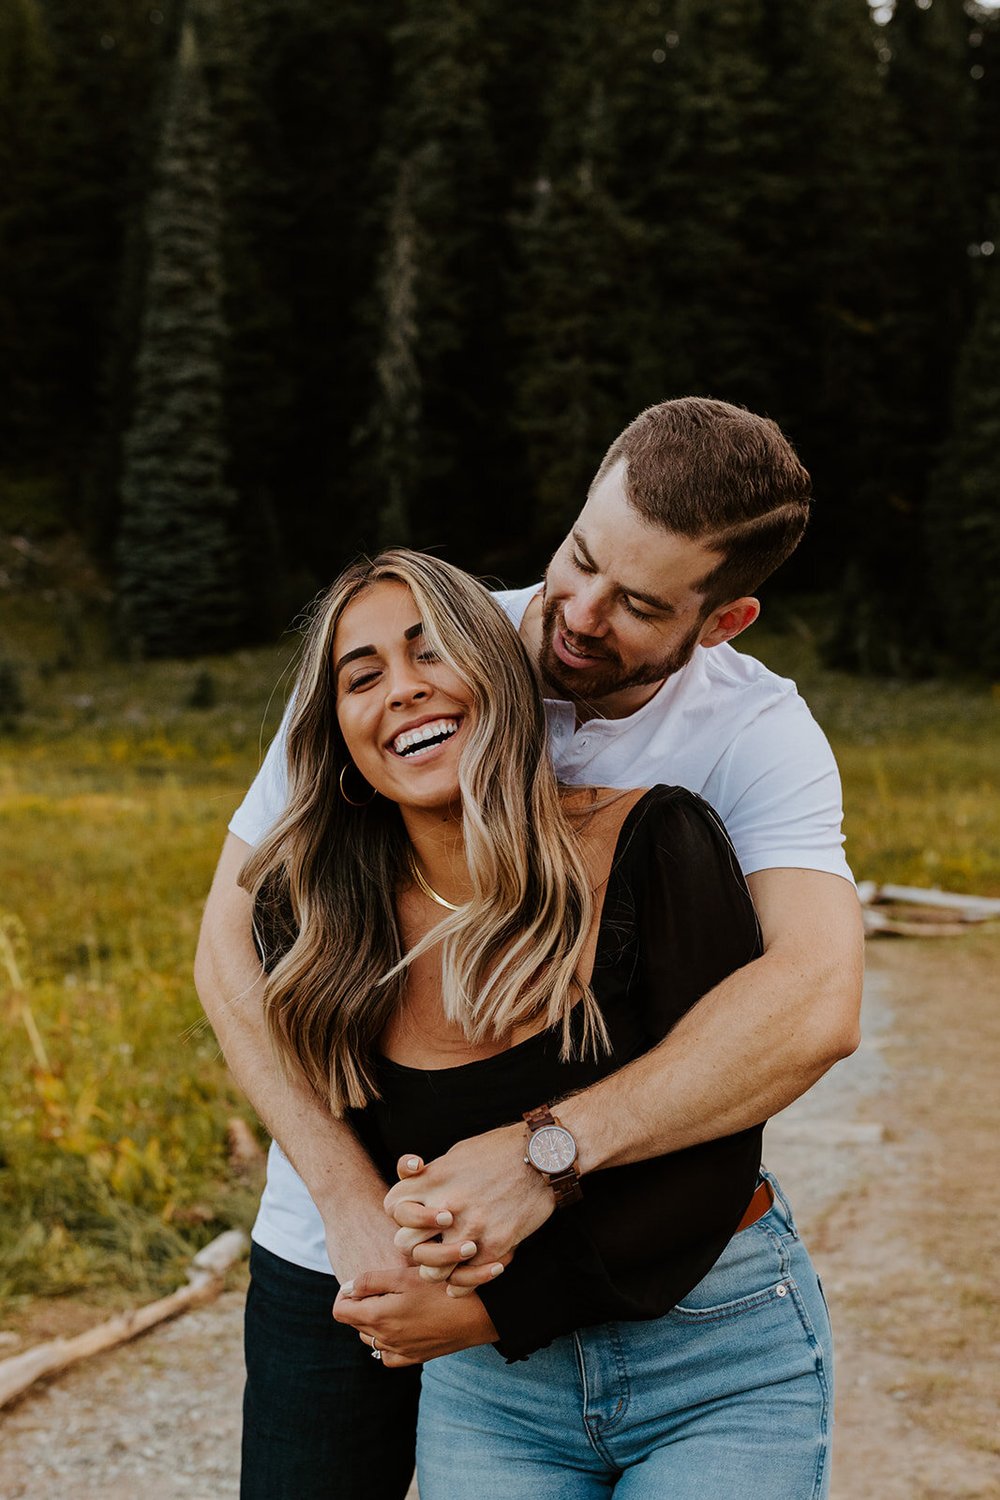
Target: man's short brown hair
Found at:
722, 476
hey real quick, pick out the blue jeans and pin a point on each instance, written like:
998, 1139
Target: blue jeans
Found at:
321, 1419
729, 1394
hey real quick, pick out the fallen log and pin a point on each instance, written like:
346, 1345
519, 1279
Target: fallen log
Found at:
958, 907
205, 1282
968, 908
917, 911
879, 923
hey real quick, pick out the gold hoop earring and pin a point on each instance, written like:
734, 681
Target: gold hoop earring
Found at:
349, 765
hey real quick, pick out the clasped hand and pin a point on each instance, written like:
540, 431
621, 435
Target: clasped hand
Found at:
482, 1196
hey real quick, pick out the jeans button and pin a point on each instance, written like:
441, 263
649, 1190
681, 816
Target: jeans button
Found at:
782, 1291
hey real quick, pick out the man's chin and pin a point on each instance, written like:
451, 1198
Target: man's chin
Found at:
583, 684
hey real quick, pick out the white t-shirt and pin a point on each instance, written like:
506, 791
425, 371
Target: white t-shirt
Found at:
724, 726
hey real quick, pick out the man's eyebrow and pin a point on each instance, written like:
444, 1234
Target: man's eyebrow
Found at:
654, 603
651, 599
409, 634
582, 545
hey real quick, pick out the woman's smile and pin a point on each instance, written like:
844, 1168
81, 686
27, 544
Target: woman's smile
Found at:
401, 709
417, 741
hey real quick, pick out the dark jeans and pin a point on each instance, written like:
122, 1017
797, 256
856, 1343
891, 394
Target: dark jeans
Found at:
322, 1420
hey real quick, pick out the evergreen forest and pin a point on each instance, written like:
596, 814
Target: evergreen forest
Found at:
285, 279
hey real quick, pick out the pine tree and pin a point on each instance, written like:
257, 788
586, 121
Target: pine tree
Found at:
963, 511
713, 195
80, 100
426, 441
398, 413
928, 174
581, 256
240, 48
829, 283
301, 89
26, 371
587, 340
177, 588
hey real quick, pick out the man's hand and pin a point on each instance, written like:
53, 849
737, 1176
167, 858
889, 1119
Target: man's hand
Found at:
494, 1200
412, 1319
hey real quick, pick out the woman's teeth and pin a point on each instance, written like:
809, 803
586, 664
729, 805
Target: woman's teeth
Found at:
421, 738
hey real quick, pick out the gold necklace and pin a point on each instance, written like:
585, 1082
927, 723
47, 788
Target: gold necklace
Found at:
428, 889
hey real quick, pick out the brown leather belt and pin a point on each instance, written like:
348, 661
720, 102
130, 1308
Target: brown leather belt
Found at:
758, 1206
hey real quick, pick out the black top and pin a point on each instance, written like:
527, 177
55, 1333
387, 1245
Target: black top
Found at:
677, 919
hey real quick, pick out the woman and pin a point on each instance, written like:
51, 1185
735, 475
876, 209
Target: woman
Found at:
452, 943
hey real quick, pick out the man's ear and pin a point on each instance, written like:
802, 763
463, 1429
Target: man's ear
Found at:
728, 621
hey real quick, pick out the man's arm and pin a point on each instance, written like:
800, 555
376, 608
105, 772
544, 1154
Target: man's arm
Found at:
751, 1046
339, 1174
746, 1050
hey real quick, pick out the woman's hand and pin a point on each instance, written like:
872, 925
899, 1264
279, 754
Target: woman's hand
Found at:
413, 1320
490, 1197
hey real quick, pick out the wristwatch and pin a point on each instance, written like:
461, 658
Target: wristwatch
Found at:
552, 1151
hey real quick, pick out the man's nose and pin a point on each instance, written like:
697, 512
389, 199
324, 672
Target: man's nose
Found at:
584, 613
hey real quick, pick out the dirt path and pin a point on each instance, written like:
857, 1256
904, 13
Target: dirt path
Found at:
890, 1163
909, 1255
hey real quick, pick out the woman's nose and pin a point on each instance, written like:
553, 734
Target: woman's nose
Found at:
407, 686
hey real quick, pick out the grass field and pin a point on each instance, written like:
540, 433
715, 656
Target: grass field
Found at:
115, 790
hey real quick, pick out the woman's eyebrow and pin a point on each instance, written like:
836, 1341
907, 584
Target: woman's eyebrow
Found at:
409, 634
352, 656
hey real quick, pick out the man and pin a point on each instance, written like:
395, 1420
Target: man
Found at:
694, 505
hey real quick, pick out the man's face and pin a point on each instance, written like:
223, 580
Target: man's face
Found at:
621, 609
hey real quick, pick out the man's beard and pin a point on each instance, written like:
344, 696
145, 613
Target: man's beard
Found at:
609, 674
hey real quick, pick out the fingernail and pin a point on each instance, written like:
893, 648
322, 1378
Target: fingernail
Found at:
412, 1164
444, 1217
469, 1248
496, 1270
347, 1289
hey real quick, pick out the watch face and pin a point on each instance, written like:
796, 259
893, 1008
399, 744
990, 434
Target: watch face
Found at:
552, 1149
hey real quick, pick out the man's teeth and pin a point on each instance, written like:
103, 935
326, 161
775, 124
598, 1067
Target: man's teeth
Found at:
410, 739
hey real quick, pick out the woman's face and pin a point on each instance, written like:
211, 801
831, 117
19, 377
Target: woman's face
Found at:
405, 715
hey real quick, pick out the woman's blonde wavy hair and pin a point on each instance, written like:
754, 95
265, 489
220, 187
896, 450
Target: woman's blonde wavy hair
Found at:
325, 879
